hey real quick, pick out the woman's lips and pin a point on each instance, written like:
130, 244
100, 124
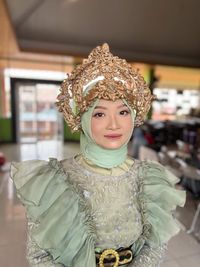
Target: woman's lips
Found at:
113, 136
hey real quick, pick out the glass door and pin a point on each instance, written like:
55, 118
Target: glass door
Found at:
27, 113
37, 116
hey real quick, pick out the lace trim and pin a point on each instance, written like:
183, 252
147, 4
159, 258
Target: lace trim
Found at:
151, 257
84, 170
146, 226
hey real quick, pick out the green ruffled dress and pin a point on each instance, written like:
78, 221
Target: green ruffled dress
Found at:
63, 200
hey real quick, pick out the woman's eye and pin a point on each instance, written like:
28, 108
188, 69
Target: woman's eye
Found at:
124, 112
98, 114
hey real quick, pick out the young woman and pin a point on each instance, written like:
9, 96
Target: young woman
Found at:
101, 207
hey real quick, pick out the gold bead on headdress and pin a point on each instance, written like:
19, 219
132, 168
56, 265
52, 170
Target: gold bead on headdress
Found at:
102, 76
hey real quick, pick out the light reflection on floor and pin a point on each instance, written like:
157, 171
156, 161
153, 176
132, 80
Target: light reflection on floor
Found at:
183, 250
40, 150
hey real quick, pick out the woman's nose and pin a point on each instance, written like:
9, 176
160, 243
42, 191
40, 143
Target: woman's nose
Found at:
113, 123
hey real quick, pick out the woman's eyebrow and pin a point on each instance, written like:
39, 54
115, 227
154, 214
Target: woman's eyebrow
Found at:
122, 106
101, 107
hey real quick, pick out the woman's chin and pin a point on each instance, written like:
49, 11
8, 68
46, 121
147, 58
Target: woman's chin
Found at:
111, 146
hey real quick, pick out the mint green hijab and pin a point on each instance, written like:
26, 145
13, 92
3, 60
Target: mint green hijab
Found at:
106, 158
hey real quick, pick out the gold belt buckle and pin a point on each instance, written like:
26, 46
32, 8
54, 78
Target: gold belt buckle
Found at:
106, 253
125, 253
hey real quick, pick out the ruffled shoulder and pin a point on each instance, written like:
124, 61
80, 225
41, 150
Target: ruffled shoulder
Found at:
63, 227
160, 199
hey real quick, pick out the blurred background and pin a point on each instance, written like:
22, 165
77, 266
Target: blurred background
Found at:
42, 40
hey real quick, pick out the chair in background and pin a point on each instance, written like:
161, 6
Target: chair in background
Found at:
170, 163
146, 153
191, 178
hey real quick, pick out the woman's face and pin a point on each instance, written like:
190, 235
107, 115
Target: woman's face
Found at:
111, 124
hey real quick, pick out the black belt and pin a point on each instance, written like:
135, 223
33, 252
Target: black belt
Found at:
114, 258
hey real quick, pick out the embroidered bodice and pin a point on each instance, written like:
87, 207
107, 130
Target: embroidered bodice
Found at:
113, 204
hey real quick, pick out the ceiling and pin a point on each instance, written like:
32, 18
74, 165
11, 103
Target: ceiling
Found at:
151, 31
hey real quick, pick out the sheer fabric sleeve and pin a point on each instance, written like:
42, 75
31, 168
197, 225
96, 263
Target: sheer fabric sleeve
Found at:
61, 225
158, 198
36, 256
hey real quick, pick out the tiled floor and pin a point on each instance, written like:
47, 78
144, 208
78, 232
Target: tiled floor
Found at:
183, 250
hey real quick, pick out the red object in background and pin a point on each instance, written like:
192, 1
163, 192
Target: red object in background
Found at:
149, 138
2, 159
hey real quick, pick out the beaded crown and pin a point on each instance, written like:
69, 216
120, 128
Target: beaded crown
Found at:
102, 76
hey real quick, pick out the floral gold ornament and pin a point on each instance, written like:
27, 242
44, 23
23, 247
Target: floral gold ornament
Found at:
102, 76
111, 253
109, 257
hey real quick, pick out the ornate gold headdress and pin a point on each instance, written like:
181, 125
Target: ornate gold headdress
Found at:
102, 76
